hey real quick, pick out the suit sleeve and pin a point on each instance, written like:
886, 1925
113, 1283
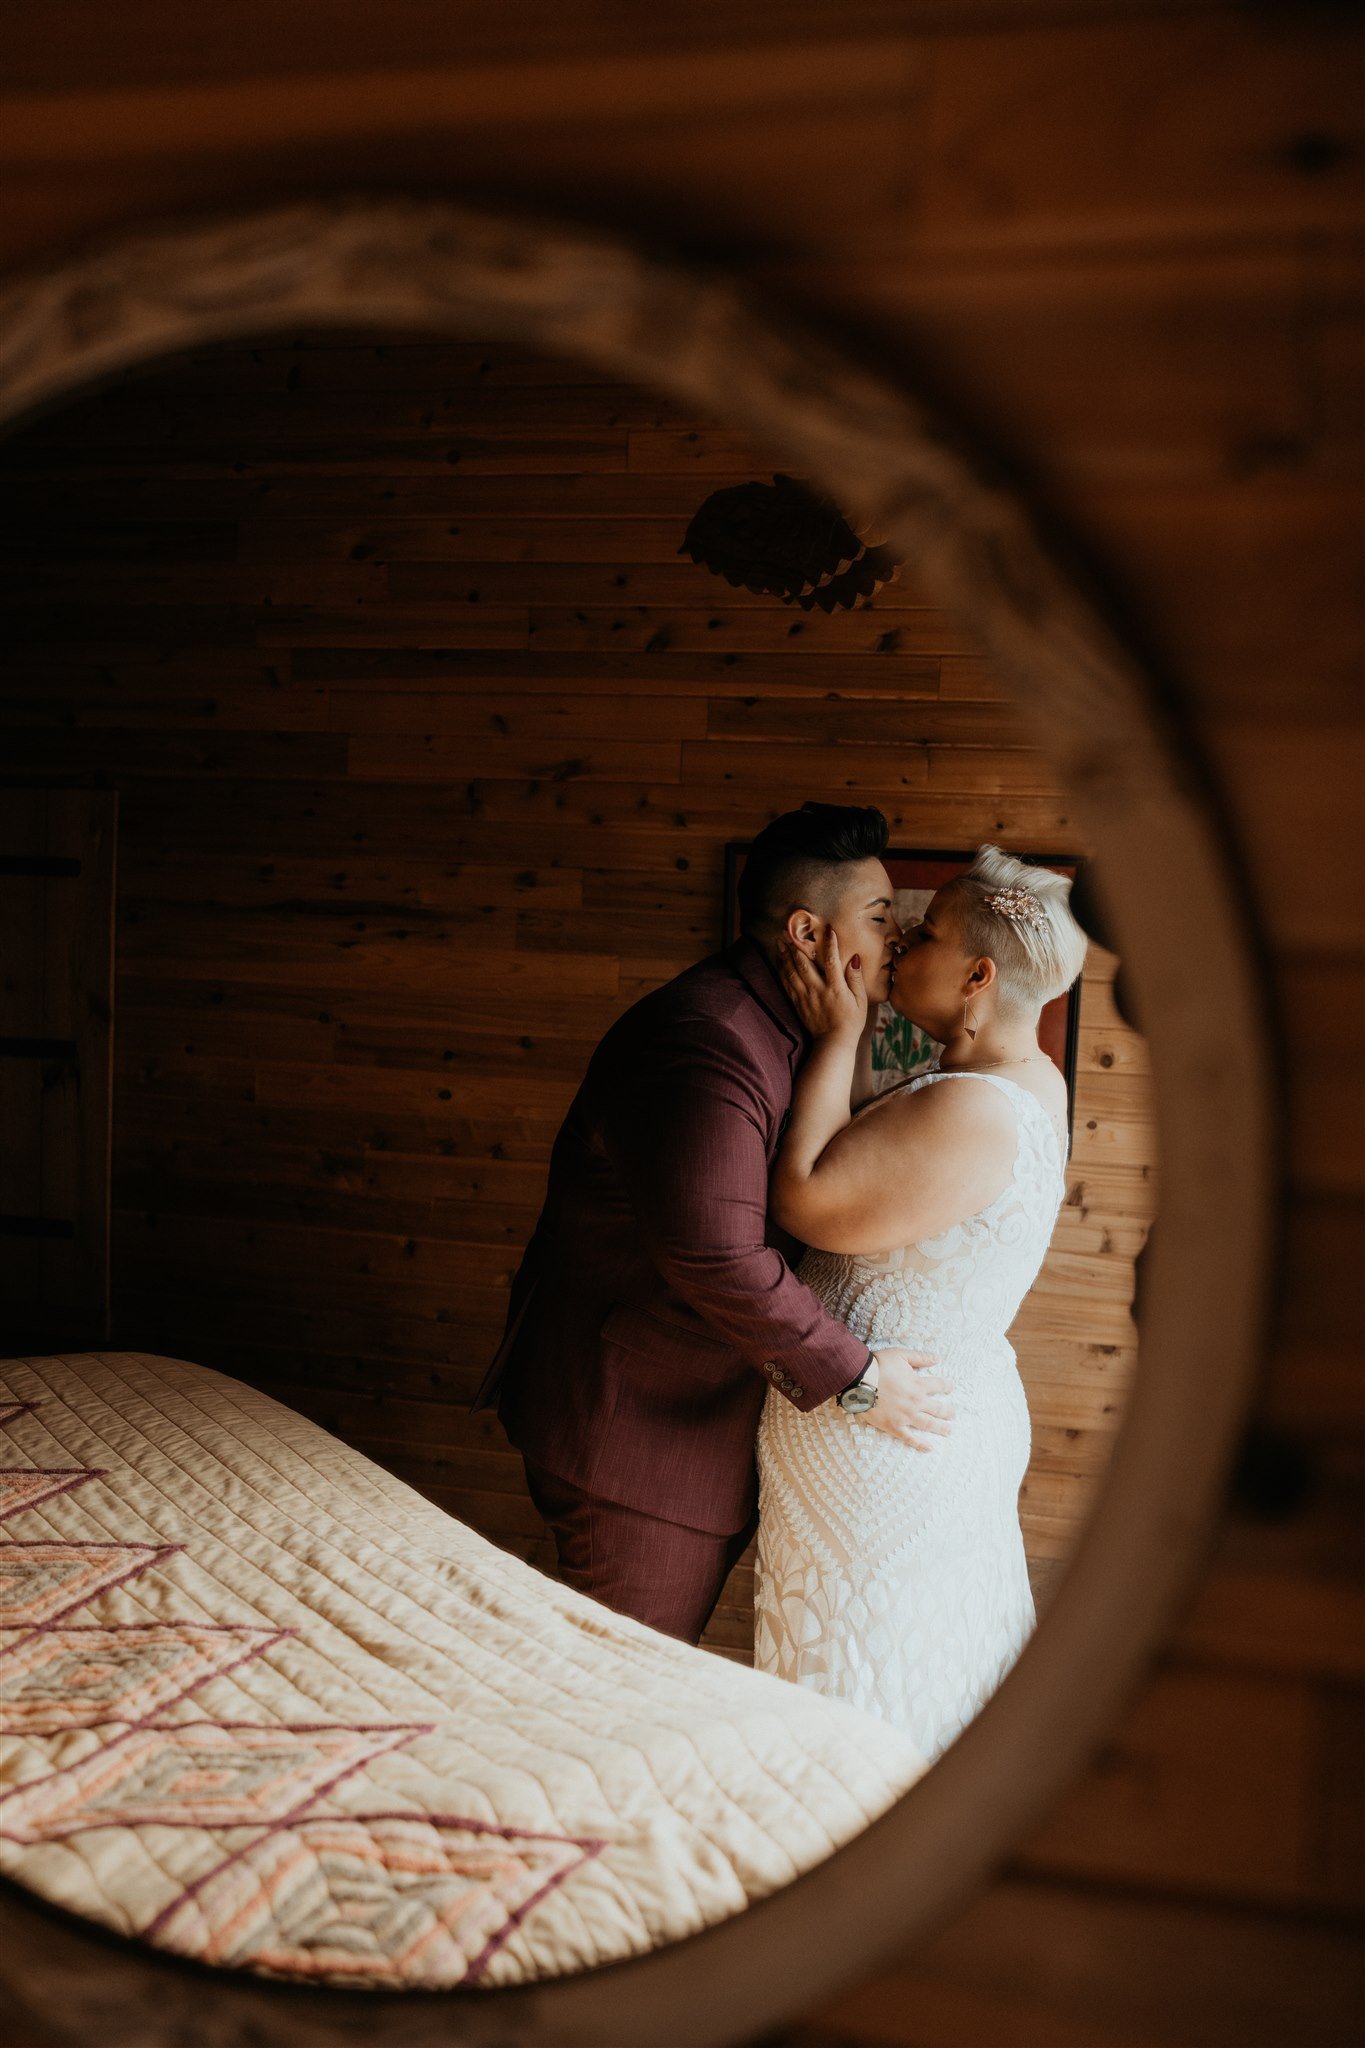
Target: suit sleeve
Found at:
689, 1140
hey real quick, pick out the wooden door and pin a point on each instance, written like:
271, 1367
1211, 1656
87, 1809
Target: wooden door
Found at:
57, 865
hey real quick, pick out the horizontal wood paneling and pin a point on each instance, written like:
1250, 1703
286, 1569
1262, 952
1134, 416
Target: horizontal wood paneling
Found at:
435, 805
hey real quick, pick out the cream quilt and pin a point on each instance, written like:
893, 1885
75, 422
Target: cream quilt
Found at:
266, 1706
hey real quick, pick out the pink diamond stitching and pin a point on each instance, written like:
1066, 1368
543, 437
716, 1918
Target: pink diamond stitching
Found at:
81, 1675
29, 1488
41, 1582
205, 1774
402, 1901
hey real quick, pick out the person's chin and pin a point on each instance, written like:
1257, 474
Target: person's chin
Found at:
902, 1007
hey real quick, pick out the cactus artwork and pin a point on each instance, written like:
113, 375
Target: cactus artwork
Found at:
900, 1048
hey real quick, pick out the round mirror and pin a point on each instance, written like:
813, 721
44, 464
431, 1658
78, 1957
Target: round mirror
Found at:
653, 710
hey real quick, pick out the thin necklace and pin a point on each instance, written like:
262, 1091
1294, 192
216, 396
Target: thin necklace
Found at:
1025, 1059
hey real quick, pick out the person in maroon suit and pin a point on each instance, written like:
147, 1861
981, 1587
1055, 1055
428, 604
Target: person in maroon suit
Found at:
656, 1301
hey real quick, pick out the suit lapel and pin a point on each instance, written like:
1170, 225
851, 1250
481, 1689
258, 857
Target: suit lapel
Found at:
747, 961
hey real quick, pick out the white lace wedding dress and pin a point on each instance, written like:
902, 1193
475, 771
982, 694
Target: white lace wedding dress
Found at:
892, 1577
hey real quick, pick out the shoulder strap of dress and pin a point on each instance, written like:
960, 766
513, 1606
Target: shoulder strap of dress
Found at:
1012, 1089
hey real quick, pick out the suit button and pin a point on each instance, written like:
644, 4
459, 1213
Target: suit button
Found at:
797, 1393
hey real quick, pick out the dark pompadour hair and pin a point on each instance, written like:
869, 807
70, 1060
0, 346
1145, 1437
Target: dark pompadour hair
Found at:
789, 854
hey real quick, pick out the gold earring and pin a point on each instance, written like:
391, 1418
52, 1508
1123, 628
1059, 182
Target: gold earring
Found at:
968, 1025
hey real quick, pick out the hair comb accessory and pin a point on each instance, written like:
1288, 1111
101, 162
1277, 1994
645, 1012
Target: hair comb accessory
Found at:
1020, 905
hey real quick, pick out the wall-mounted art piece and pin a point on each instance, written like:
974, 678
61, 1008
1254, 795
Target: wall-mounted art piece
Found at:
901, 1048
786, 540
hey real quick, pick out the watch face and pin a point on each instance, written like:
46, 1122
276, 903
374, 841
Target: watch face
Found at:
854, 1400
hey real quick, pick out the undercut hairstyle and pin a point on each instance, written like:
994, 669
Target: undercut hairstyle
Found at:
794, 862
1036, 944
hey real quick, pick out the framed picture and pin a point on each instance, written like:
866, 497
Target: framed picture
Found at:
899, 1047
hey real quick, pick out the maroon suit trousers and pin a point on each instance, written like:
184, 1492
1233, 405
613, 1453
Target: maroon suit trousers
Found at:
658, 1572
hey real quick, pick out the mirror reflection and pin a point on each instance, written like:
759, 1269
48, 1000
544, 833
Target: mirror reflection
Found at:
574, 1166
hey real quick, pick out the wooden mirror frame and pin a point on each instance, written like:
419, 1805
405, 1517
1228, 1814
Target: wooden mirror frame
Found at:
1169, 889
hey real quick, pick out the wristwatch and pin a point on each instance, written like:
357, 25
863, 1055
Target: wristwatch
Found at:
862, 1395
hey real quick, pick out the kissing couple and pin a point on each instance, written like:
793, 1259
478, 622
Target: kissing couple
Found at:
763, 1296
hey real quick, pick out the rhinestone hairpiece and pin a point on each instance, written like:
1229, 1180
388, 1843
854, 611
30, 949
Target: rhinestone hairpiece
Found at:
1021, 905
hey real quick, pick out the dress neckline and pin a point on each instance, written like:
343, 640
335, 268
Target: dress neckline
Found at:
935, 1072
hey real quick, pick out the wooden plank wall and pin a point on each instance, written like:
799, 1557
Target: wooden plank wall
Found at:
1122, 237
428, 745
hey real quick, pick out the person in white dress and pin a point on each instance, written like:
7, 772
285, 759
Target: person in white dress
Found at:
891, 1568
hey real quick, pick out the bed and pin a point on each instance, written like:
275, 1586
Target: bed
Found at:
266, 1707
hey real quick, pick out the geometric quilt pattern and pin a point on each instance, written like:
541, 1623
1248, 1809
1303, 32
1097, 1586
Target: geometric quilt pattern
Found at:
269, 1845
206, 1774
395, 1899
41, 1581
25, 1489
79, 1675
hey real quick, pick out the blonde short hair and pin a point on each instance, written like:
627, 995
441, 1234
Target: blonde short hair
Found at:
1019, 917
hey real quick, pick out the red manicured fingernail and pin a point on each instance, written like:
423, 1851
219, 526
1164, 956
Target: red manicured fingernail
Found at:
856, 961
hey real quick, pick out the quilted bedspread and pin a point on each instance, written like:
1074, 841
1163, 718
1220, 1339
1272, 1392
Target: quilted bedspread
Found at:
266, 1706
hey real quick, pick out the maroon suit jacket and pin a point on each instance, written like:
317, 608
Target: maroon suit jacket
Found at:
654, 1303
